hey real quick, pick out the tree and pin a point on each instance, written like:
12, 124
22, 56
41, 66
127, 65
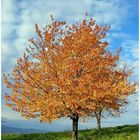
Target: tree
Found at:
117, 88
61, 73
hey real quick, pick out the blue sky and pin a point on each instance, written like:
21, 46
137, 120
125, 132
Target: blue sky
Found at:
20, 16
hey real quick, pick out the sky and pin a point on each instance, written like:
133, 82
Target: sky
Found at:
19, 17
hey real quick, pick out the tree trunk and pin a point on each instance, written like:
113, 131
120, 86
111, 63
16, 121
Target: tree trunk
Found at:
75, 127
98, 123
98, 118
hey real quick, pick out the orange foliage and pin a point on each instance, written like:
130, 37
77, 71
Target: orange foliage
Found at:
66, 72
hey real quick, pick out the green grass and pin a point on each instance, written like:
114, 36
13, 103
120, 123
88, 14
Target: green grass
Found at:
127, 132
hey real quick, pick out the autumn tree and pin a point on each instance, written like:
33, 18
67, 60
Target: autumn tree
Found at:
111, 95
66, 72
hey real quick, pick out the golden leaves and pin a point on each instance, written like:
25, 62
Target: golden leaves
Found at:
67, 70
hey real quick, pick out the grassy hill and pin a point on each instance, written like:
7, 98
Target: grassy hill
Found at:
127, 132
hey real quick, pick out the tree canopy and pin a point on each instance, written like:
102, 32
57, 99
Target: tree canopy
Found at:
68, 72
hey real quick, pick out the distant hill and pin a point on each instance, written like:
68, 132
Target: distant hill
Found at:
6, 129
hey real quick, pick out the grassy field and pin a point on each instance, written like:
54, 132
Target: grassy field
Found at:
127, 132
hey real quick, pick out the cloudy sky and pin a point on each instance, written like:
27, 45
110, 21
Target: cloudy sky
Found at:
20, 16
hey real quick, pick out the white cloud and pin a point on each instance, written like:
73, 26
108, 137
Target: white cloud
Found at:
10, 114
6, 50
130, 50
111, 12
119, 35
19, 17
8, 10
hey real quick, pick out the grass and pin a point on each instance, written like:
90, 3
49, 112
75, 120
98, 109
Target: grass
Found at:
126, 132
